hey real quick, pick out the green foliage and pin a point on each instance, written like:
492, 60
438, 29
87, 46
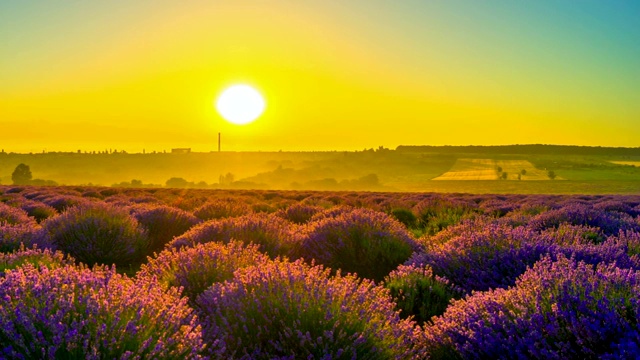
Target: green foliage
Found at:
419, 293
177, 183
405, 216
21, 175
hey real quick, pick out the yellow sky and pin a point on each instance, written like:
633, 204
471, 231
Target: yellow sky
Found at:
145, 76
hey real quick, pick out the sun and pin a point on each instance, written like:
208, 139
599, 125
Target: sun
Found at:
240, 104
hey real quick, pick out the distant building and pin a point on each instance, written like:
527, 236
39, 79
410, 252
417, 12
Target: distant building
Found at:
181, 151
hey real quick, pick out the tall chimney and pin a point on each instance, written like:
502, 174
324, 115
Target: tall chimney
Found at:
218, 142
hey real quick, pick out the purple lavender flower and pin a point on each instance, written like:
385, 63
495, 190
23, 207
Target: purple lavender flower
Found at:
98, 234
196, 268
274, 235
69, 312
283, 310
36, 257
364, 241
162, 223
298, 213
38, 210
14, 236
219, 209
482, 258
577, 214
12, 216
557, 310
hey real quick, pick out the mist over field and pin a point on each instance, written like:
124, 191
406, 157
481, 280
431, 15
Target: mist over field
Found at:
518, 169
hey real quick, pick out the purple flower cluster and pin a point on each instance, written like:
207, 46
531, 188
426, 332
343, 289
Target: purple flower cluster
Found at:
483, 254
196, 268
63, 202
482, 258
284, 310
162, 223
273, 234
13, 216
578, 214
298, 213
34, 256
14, 236
78, 313
367, 242
98, 234
557, 310
38, 210
219, 209
549, 276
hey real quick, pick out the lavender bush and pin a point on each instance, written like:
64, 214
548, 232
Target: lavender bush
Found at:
196, 268
12, 237
63, 202
578, 214
298, 213
484, 258
163, 223
273, 234
39, 211
12, 216
34, 256
557, 310
98, 234
363, 241
284, 310
77, 313
219, 209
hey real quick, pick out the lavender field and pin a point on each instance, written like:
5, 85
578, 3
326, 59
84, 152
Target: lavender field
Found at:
111, 273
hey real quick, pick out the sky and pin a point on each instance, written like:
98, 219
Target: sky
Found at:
335, 75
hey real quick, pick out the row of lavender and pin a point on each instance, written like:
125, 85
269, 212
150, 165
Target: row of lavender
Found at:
263, 274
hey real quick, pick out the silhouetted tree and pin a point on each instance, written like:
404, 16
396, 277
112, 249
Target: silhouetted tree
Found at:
226, 179
504, 176
523, 172
371, 179
551, 174
499, 168
21, 175
177, 183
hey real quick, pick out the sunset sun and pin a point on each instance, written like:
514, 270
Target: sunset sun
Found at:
240, 104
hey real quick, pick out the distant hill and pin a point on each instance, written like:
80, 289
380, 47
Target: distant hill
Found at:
532, 149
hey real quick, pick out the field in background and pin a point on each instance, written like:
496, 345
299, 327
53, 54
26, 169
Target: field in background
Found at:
369, 170
471, 169
629, 163
492, 169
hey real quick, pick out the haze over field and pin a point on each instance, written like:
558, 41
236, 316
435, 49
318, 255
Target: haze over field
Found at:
334, 75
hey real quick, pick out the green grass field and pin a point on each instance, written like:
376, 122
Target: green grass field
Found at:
393, 170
